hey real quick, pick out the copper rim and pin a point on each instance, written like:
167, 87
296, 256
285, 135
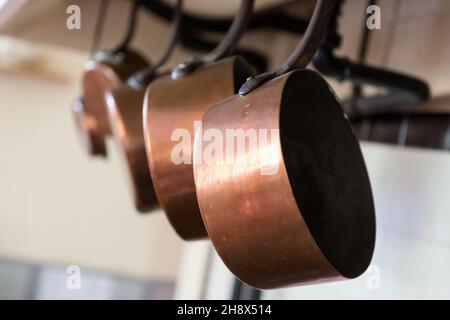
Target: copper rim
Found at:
312, 219
86, 125
101, 74
125, 111
172, 104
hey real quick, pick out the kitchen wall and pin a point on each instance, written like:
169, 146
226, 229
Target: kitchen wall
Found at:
57, 204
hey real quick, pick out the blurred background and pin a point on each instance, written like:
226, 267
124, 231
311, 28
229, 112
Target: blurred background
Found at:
60, 208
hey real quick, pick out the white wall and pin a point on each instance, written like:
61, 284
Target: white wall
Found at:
412, 251
58, 205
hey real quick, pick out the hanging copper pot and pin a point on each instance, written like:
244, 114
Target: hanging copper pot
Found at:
125, 111
125, 114
295, 207
175, 102
105, 71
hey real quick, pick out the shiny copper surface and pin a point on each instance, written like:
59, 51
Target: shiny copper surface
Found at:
125, 112
312, 220
102, 73
86, 125
175, 104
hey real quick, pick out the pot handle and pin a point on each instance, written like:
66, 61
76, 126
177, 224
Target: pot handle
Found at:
144, 77
226, 47
131, 28
305, 50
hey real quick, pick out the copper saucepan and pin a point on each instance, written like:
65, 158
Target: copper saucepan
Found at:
104, 71
175, 102
296, 207
125, 111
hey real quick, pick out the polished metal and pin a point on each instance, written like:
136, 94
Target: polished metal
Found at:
175, 102
104, 72
125, 111
172, 104
313, 219
295, 207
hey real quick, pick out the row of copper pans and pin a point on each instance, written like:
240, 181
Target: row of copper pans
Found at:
310, 221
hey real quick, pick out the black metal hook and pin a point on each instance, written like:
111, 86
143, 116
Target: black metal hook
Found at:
132, 22
403, 91
225, 47
99, 25
304, 51
142, 78
191, 39
270, 17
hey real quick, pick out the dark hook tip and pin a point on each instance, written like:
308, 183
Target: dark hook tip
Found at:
254, 82
187, 67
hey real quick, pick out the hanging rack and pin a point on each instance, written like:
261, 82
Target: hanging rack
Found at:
272, 17
131, 28
226, 46
99, 25
403, 91
144, 77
